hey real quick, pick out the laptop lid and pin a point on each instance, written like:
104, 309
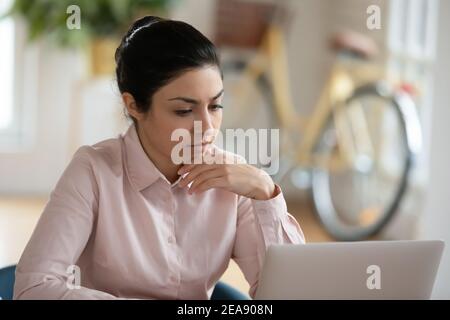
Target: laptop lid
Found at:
351, 270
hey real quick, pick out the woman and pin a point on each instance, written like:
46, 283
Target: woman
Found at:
125, 221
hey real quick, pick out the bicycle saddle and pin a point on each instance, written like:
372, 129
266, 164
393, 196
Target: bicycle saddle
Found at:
355, 43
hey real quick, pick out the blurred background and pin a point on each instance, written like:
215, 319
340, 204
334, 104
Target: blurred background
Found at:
293, 57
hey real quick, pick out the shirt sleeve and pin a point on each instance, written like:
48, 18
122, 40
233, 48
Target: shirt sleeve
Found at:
261, 223
60, 236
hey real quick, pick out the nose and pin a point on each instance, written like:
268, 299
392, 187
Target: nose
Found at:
206, 119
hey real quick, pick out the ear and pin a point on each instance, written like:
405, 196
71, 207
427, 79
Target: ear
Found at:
131, 106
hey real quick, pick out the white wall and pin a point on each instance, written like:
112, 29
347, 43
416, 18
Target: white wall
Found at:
36, 170
436, 218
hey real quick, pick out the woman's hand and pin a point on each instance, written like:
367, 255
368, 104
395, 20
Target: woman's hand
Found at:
242, 179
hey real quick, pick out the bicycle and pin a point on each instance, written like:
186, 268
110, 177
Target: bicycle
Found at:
360, 141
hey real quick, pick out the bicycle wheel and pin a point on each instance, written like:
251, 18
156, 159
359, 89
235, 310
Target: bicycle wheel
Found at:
356, 200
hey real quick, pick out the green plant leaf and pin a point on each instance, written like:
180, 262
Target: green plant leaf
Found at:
99, 18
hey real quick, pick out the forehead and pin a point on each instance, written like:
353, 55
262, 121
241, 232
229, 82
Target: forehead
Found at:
200, 83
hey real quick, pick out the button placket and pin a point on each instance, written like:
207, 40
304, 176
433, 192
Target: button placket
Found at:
174, 277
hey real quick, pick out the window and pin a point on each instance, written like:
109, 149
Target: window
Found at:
412, 47
19, 65
412, 36
7, 67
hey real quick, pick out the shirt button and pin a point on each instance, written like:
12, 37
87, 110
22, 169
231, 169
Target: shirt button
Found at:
173, 279
171, 239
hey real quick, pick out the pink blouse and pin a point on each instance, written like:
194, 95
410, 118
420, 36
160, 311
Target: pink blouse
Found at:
117, 226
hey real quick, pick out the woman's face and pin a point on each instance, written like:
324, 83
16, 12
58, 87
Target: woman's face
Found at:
195, 95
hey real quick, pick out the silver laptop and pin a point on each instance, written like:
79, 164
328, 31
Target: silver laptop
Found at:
351, 270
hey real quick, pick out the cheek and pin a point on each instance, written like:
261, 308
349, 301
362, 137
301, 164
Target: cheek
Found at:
159, 131
176, 125
218, 120
165, 123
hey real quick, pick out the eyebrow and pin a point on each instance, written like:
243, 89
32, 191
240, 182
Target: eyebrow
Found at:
193, 101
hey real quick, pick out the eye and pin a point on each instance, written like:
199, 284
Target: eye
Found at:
183, 112
216, 107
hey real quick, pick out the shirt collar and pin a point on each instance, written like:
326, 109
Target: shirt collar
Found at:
141, 170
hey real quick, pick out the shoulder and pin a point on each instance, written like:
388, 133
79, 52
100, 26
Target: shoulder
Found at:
106, 154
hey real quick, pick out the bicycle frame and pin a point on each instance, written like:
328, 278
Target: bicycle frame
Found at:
339, 86
352, 139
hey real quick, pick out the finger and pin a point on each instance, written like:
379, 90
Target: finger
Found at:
205, 175
195, 172
212, 183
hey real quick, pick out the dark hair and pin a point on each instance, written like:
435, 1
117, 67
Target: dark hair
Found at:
155, 51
